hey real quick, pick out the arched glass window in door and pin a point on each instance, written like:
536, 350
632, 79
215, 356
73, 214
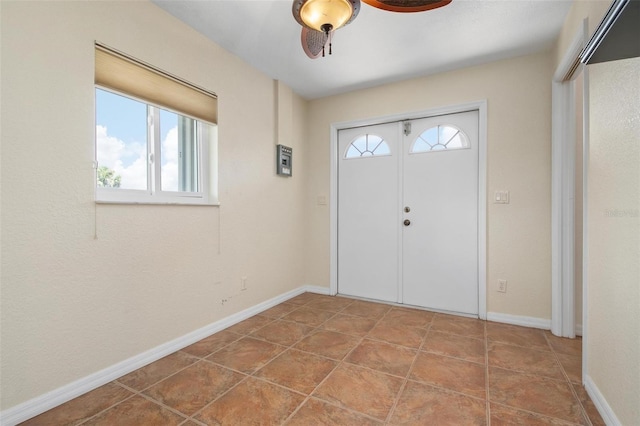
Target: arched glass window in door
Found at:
440, 138
367, 146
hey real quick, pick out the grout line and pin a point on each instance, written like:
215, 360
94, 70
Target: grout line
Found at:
583, 410
409, 371
339, 363
106, 409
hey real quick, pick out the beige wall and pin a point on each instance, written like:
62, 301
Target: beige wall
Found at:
613, 234
518, 93
73, 304
613, 231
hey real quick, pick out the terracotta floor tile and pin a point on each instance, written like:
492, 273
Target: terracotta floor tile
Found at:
399, 334
252, 402
552, 398
525, 360
519, 336
365, 309
308, 316
250, 325
194, 387
507, 416
82, 407
146, 376
326, 360
317, 413
565, 346
328, 343
458, 325
297, 370
284, 333
304, 298
391, 359
209, 345
349, 324
246, 355
330, 303
451, 373
421, 404
452, 345
572, 365
368, 392
136, 411
408, 317
588, 405
280, 310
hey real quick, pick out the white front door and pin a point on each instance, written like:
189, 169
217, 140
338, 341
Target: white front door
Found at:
408, 212
368, 232
440, 245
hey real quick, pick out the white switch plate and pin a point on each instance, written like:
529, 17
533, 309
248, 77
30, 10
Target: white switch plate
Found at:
502, 286
501, 197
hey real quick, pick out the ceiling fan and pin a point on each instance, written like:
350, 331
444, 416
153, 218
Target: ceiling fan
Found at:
320, 18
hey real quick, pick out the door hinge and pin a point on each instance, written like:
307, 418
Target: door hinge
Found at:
407, 128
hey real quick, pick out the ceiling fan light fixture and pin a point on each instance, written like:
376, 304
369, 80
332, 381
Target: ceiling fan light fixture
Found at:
325, 15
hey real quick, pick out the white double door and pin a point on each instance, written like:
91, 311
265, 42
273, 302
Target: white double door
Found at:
408, 212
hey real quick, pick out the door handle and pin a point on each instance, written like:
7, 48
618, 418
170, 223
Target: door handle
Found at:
407, 222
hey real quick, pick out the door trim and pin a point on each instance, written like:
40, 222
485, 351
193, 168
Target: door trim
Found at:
563, 187
481, 107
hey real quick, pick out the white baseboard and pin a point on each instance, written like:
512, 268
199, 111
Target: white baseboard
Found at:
49, 400
578, 329
601, 403
523, 321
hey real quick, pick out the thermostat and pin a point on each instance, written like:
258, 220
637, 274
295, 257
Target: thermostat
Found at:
283, 158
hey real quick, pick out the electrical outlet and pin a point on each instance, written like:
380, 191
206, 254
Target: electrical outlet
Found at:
243, 283
502, 286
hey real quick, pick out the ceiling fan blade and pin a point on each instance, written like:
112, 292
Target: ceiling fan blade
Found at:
407, 5
312, 42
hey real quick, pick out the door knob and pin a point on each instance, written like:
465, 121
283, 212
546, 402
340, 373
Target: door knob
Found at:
407, 222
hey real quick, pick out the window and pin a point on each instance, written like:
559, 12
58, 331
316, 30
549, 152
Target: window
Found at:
367, 146
150, 149
440, 138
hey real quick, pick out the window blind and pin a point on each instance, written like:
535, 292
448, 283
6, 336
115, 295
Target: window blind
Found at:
122, 73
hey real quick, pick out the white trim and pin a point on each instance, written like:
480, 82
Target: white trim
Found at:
601, 403
585, 222
481, 106
523, 321
563, 189
578, 329
49, 400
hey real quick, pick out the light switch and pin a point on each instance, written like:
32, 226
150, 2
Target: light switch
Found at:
501, 197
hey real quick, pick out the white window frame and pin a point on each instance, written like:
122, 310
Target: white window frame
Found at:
207, 165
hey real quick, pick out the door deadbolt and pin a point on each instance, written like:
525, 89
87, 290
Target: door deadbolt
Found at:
407, 209
407, 222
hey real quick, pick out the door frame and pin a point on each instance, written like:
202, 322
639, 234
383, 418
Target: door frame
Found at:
481, 107
563, 188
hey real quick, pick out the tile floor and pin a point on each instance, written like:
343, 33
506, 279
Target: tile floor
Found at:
320, 360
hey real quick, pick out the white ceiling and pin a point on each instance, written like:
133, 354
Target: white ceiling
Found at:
378, 46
